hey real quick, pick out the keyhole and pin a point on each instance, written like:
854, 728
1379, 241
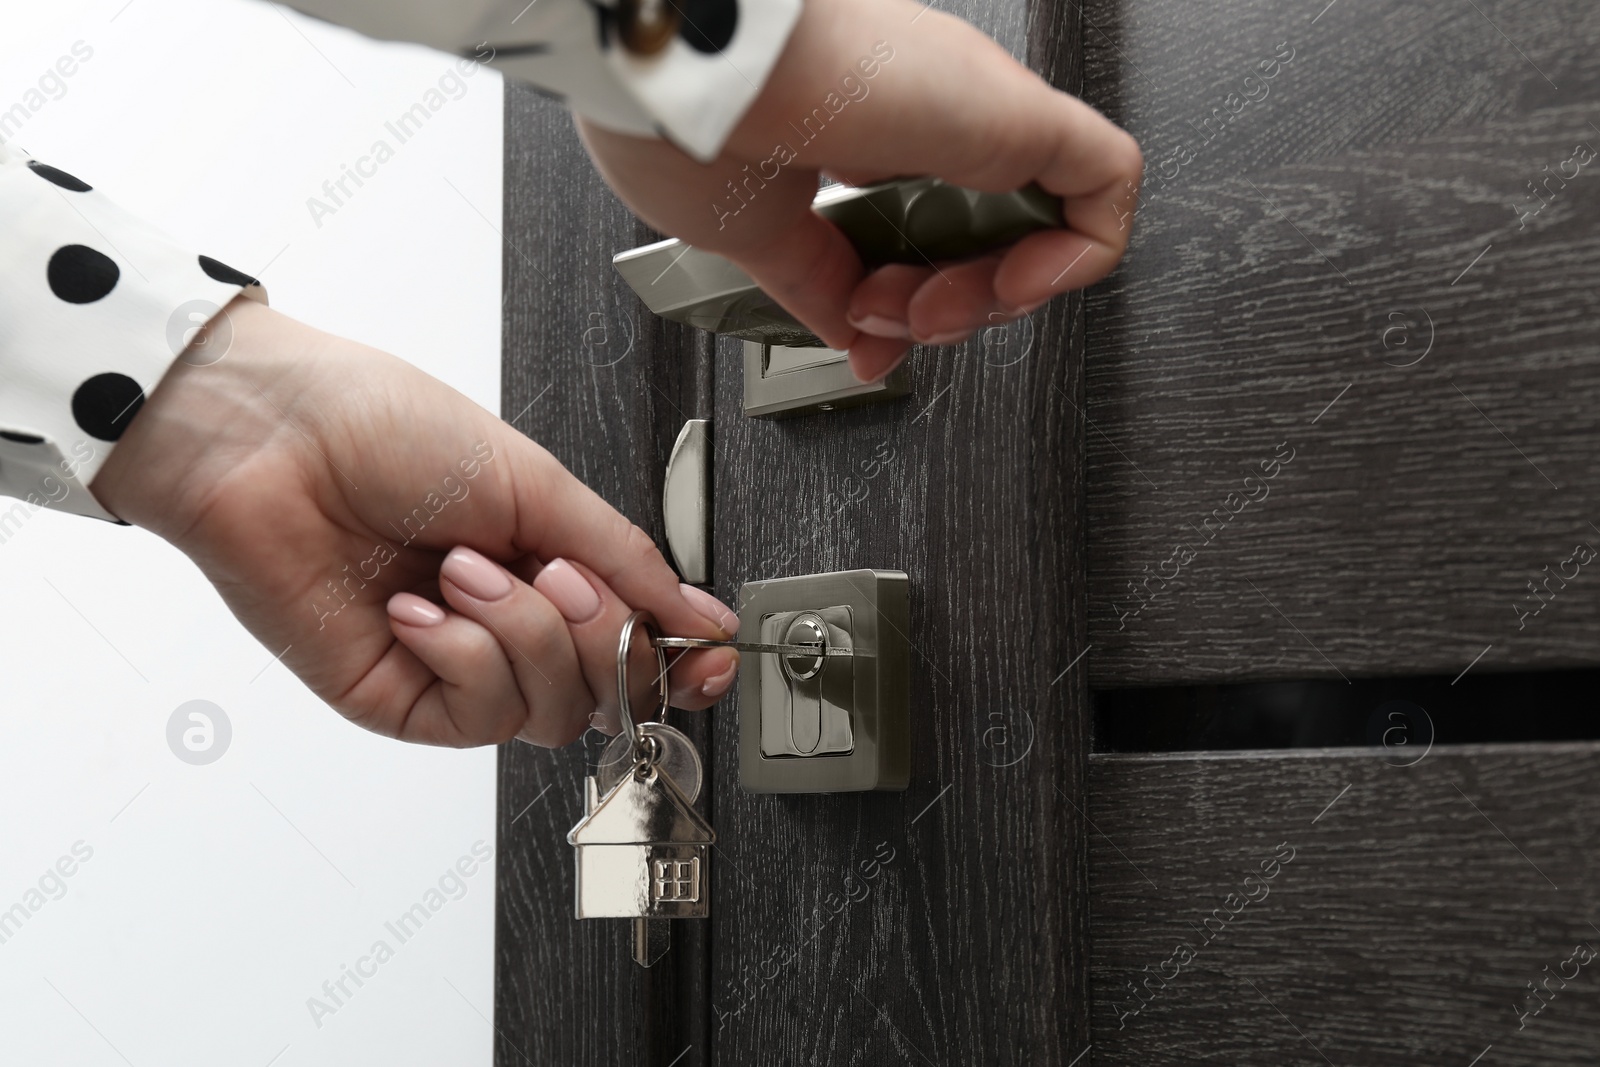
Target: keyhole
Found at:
807, 629
805, 688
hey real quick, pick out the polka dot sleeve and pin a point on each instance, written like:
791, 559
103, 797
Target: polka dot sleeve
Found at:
94, 307
686, 70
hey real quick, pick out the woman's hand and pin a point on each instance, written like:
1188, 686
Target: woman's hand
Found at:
433, 574
943, 100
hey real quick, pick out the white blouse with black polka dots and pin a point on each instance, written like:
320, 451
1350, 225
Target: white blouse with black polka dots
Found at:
85, 335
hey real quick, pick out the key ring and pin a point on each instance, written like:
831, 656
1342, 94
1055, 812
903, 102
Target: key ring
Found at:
624, 646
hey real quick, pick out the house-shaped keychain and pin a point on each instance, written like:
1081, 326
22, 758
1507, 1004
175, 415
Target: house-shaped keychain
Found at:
643, 852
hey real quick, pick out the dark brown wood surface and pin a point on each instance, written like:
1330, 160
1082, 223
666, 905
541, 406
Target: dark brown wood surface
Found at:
967, 944
605, 387
1290, 266
1420, 901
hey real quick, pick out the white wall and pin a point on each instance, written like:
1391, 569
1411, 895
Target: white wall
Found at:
218, 898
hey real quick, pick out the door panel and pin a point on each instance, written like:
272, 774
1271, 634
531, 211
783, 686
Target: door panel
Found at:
605, 387
944, 924
1291, 265
1332, 279
1342, 407
1341, 416
1419, 901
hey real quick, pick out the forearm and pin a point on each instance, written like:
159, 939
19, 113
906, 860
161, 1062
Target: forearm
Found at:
244, 387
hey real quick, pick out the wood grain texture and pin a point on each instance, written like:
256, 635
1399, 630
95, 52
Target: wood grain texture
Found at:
605, 387
944, 924
1287, 264
1419, 903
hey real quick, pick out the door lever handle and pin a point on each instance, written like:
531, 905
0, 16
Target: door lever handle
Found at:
906, 220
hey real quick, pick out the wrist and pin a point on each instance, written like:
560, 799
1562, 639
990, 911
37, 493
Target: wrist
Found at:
835, 51
231, 397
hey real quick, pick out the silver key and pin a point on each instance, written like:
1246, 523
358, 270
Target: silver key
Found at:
804, 649
677, 757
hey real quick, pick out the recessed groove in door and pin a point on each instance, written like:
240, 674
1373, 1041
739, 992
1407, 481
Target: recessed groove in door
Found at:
1404, 715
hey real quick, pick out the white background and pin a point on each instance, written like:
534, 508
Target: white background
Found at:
219, 898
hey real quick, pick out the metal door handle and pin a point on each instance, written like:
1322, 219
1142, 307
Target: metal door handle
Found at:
907, 220
686, 502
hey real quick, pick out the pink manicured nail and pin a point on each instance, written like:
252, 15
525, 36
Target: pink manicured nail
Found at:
477, 575
889, 369
414, 611
880, 326
568, 590
946, 338
716, 687
719, 613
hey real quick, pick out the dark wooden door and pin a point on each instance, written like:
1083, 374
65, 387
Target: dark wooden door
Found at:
1316, 456
1343, 395
604, 385
942, 924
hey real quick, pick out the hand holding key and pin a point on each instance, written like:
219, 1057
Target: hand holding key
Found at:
293, 472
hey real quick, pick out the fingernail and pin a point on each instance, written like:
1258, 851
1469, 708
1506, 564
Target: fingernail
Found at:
889, 368
568, 590
477, 575
716, 687
881, 326
414, 611
719, 613
946, 338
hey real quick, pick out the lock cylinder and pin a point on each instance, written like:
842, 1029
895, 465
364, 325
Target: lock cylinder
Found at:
834, 720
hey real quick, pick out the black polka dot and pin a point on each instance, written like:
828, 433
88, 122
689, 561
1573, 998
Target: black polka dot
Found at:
22, 438
224, 273
104, 405
708, 25
80, 275
58, 177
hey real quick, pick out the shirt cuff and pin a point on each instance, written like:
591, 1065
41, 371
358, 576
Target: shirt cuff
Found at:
693, 91
95, 305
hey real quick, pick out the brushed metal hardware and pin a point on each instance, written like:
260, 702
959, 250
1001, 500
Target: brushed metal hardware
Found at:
686, 502
905, 220
783, 359
807, 631
805, 710
778, 382
811, 721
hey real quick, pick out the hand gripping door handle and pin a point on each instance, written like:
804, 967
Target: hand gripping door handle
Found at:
907, 220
